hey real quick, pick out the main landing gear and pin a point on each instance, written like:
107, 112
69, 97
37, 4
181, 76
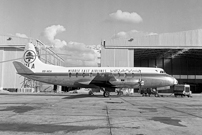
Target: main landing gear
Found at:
107, 90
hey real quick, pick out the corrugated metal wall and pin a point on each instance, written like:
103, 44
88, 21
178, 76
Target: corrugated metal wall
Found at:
12, 80
184, 39
9, 78
117, 58
1, 66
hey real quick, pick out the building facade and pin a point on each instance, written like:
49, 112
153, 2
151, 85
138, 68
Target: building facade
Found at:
179, 54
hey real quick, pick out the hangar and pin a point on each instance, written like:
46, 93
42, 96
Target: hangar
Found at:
12, 48
179, 54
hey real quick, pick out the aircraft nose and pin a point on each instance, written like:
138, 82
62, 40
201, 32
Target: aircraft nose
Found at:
175, 81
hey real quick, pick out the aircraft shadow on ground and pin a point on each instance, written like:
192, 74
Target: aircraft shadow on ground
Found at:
96, 96
83, 96
69, 96
33, 94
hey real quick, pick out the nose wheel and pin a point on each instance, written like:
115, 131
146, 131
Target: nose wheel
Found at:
106, 94
90, 92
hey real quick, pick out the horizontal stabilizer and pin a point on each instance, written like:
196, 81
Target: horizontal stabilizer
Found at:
22, 69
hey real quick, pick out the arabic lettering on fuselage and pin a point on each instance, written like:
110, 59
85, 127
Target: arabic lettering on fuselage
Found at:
124, 71
103, 71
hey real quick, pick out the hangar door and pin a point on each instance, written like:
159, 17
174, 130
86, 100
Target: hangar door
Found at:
184, 64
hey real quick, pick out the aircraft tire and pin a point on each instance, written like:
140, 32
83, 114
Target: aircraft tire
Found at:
106, 94
90, 93
120, 93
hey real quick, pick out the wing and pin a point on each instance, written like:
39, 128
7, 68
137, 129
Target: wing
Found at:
109, 80
99, 80
103, 80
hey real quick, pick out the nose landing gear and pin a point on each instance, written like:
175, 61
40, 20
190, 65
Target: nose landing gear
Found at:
106, 94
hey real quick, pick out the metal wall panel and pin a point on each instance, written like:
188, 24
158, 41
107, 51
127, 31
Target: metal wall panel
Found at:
1, 66
130, 58
19, 78
199, 36
121, 58
9, 74
192, 38
107, 57
117, 58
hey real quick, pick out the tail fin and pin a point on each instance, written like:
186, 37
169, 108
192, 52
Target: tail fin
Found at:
31, 58
33, 64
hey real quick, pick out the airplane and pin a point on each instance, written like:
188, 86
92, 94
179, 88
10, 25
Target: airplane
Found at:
106, 79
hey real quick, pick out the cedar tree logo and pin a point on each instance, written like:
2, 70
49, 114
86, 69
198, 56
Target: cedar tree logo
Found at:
29, 56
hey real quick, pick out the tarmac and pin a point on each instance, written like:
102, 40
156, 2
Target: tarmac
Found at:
81, 114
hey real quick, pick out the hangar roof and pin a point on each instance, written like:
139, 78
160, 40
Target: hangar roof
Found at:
179, 40
9, 41
166, 45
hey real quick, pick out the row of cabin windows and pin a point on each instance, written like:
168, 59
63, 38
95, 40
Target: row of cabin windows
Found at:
103, 74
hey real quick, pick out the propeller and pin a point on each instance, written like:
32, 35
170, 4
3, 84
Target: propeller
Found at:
141, 82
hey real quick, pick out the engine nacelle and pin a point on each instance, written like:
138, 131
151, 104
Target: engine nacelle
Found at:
126, 83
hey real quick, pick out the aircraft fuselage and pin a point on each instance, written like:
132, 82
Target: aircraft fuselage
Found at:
120, 80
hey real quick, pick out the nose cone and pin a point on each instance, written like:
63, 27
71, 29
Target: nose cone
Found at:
172, 81
175, 81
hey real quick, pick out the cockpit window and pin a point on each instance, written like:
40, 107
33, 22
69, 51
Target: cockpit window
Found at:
161, 71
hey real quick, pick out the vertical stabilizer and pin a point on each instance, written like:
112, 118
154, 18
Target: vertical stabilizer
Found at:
31, 58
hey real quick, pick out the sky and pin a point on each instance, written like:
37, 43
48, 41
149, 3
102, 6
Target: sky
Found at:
70, 25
